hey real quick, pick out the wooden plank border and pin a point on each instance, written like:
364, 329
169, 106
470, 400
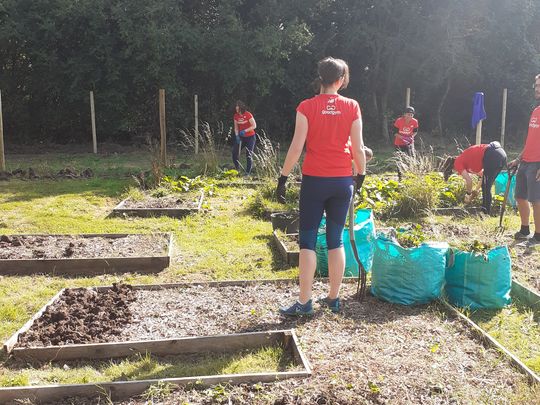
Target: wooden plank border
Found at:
125, 389
491, 341
290, 257
525, 295
180, 212
88, 266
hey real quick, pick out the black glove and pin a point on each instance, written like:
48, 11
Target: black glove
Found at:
358, 181
281, 189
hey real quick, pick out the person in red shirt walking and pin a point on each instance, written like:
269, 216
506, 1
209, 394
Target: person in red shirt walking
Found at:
486, 160
528, 177
325, 124
244, 131
406, 129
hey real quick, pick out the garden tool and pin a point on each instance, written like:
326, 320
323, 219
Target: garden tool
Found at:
362, 275
511, 173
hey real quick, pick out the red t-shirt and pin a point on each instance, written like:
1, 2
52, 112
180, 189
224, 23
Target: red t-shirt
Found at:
406, 130
242, 121
531, 152
330, 117
471, 159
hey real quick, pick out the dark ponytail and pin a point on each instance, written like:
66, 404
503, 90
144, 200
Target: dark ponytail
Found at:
330, 70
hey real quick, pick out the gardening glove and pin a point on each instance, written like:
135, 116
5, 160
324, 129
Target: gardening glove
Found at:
242, 132
358, 181
281, 189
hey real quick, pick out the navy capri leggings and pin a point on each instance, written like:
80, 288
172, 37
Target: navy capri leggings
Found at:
324, 194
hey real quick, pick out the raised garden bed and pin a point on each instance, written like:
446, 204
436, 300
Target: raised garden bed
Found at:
373, 352
85, 254
170, 206
287, 245
285, 339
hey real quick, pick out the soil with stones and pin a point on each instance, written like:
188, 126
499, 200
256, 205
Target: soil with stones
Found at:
30, 174
76, 247
82, 315
163, 202
372, 353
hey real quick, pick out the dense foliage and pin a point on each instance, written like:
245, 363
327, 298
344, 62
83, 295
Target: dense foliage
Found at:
53, 52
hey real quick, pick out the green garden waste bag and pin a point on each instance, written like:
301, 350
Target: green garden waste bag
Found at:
500, 187
408, 276
364, 234
480, 281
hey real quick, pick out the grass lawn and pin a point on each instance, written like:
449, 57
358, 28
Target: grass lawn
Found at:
226, 242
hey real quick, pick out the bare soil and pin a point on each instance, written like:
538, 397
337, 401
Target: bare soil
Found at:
164, 202
81, 315
372, 353
76, 247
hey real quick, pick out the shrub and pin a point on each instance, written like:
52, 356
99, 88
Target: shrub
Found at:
418, 195
264, 201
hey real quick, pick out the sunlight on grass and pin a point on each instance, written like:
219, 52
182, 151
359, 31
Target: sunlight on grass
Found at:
517, 328
142, 367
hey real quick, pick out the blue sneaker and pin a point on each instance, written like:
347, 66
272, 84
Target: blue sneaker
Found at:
333, 305
297, 309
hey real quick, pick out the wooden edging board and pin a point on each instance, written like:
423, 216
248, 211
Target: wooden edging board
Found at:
88, 266
223, 343
180, 212
526, 295
291, 257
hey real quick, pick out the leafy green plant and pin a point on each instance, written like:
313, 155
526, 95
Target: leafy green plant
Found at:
411, 237
418, 195
264, 201
453, 192
380, 195
184, 184
478, 247
228, 174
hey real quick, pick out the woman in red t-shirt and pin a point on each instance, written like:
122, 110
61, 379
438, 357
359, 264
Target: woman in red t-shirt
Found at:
244, 131
486, 160
330, 127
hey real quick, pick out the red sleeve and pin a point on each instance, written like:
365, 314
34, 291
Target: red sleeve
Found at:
356, 113
459, 164
303, 108
415, 123
396, 124
249, 115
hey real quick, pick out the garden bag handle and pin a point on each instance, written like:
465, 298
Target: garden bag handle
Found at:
362, 278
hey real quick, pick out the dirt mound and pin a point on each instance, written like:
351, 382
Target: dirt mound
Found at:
82, 315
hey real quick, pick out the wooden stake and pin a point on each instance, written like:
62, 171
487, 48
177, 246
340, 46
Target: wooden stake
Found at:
162, 127
2, 155
408, 97
196, 101
479, 132
93, 118
503, 118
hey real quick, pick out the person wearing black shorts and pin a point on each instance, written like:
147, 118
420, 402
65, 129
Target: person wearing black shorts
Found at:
528, 177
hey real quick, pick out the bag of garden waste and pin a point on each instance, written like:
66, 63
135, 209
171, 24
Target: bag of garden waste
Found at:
364, 234
500, 187
480, 279
408, 275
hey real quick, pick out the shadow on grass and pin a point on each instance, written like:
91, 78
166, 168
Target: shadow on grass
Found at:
26, 191
278, 262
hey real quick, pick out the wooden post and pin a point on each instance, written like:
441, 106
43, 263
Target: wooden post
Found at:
479, 132
196, 101
503, 118
162, 127
2, 155
408, 97
93, 118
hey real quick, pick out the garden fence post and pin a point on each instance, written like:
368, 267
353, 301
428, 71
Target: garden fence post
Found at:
2, 156
408, 97
93, 118
503, 118
162, 127
196, 102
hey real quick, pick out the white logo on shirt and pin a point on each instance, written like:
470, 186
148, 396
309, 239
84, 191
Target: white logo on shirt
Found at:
331, 108
534, 123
